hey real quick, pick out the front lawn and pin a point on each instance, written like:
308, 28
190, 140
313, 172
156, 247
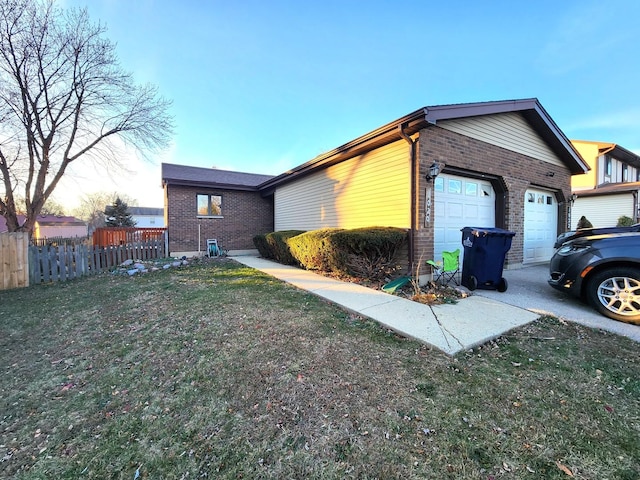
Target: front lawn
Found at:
219, 371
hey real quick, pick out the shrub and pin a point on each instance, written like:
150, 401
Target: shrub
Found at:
314, 249
624, 221
584, 223
274, 246
260, 241
370, 252
364, 252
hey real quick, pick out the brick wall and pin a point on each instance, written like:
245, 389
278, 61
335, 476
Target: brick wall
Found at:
244, 214
515, 173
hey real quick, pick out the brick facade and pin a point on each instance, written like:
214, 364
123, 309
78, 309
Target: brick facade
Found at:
244, 215
511, 173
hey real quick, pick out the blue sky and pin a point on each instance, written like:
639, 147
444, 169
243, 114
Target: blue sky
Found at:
263, 86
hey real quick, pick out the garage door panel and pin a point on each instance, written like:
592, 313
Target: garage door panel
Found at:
471, 211
455, 210
540, 225
453, 235
460, 202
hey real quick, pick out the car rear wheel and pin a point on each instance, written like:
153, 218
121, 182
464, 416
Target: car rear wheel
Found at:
615, 293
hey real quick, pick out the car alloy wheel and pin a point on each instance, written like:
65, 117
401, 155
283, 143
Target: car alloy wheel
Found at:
616, 294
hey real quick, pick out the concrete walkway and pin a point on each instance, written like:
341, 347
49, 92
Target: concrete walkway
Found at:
450, 328
528, 288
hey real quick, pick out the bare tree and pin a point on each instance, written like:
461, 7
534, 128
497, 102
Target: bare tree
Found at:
64, 98
92, 207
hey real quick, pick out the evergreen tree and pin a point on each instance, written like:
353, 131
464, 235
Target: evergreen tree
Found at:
117, 215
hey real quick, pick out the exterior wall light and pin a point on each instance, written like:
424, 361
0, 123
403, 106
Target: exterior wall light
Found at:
434, 171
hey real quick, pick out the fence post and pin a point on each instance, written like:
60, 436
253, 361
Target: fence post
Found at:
14, 260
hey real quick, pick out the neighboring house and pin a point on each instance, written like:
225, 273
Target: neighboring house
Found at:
147, 217
207, 203
501, 164
50, 226
610, 189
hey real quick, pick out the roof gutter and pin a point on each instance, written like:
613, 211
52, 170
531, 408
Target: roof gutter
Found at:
388, 133
412, 159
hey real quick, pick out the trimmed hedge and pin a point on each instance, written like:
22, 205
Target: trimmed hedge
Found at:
365, 252
370, 252
274, 246
315, 250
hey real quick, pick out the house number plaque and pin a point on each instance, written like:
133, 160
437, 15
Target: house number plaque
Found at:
427, 207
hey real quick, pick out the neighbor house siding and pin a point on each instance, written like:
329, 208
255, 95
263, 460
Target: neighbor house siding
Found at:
65, 231
244, 215
372, 189
603, 210
507, 130
588, 151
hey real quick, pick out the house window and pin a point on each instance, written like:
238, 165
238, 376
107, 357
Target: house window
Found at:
607, 166
455, 186
625, 173
209, 205
471, 189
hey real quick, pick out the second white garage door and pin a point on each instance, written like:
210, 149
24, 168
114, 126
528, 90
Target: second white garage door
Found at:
460, 202
540, 225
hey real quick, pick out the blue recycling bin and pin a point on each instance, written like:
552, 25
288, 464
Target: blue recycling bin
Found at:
484, 253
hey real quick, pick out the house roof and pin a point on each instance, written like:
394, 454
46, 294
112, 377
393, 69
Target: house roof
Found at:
530, 109
45, 221
211, 177
616, 151
609, 189
146, 211
58, 220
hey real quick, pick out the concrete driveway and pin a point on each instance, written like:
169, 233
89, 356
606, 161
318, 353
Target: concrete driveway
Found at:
528, 289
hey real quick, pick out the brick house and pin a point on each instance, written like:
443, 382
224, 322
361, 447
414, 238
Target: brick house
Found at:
207, 203
491, 164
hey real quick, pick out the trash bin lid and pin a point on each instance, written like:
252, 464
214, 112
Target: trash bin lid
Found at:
487, 231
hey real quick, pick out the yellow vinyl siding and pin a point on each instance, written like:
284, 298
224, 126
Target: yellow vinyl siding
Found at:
588, 151
372, 189
507, 130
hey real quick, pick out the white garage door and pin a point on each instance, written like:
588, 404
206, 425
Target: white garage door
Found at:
540, 225
460, 202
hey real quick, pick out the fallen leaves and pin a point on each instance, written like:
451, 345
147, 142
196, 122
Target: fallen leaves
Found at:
564, 468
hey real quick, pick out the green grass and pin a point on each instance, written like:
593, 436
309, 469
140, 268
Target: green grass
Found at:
218, 371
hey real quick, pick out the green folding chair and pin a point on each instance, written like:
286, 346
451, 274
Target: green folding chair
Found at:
448, 269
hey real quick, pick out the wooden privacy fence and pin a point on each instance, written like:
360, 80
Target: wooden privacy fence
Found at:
65, 262
14, 260
105, 236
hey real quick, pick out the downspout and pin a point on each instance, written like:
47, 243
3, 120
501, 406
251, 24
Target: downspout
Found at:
412, 159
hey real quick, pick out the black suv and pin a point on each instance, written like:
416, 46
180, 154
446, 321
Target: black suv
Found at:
602, 269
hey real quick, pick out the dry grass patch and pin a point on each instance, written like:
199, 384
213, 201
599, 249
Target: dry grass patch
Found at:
218, 371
